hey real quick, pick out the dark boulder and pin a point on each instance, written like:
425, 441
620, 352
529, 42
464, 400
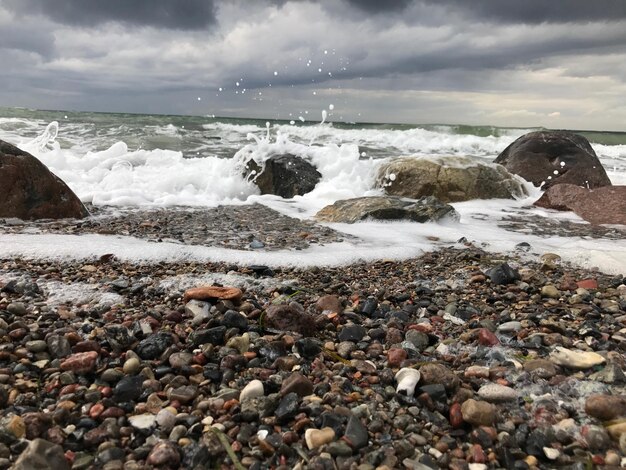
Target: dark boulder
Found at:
28, 190
606, 205
284, 175
546, 158
426, 209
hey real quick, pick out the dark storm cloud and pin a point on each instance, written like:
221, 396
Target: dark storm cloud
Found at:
185, 14
378, 6
537, 11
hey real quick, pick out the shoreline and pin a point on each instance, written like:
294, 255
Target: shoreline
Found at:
106, 360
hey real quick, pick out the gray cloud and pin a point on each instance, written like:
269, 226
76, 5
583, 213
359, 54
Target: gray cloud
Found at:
186, 14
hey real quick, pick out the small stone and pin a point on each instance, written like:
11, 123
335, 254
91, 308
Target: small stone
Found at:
213, 292
587, 284
575, 359
178, 360
439, 374
315, 438
153, 346
17, 308
328, 304
42, 454
395, 356
80, 363
36, 346
143, 421
128, 389
253, 389
478, 413
550, 291
166, 419
356, 433
14, 425
164, 454
131, 366
352, 332
510, 327
289, 318
617, 430
287, 408
551, 453
497, 393
503, 274
184, 394
297, 383
58, 346
606, 407
542, 368
487, 338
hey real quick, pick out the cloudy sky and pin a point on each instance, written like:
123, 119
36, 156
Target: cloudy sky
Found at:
559, 64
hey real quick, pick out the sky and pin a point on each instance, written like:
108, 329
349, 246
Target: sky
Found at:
558, 64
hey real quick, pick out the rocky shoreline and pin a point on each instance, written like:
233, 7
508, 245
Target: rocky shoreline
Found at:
511, 364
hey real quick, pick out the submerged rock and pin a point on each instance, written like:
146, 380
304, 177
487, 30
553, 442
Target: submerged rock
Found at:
284, 175
426, 209
546, 158
449, 179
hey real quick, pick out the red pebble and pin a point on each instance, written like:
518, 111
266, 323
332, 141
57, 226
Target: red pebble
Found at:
487, 338
597, 460
456, 417
478, 454
96, 410
81, 363
395, 356
588, 284
113, 412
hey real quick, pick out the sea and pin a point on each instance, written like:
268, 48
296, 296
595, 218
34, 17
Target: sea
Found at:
140, 161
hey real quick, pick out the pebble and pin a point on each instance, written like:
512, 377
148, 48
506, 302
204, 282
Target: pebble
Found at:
143, 421
42, 454
496, 393
576, 359
132, 366
252, 390
81, 363
315, 438
478, 413
164, 454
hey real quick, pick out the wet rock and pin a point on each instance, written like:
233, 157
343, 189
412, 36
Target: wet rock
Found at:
213, 293
542, 368
329, 303
503, 274
143, 421
213, 336
426, 209
284, 175
184, 394
58, 346
450, 179
41, 454
28, 190
605, 205
536, 157
234, 319
496, 393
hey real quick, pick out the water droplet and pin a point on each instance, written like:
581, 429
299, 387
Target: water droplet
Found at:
275, 73
331, 106
220, 88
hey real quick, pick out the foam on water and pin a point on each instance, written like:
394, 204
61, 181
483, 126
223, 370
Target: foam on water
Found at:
116, 174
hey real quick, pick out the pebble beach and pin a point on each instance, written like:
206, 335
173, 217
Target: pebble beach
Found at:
458, 359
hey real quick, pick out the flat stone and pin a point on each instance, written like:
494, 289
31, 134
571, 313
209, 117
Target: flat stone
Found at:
606, 407
576, 359
297, 383
142, 421
478, 413
80, 363
497, 393
42, 454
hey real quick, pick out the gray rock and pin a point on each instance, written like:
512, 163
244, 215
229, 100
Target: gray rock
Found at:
42, 455
449, 179
356, 433
426, 209
284, 175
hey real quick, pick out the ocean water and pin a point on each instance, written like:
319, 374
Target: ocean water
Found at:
146, 161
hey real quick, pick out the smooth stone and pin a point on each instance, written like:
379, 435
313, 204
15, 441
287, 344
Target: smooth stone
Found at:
128, 388
36, 346
575, 359
166, 419
143, 421
17, 308
550, 291
297, 383
42, 454
253, 389
510, 327
287, 408
478, 413
315, 438
178, 360
164, 454
356, 433
497, 393
352, 332
131, 366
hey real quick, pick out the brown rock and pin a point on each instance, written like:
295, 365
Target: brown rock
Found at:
41, 454
329, 303
536, 157
587, 284
439, 374
28, 190
542, 368
212, 293
456, 416
289, 318
395, 356
478, 413
606, 205
164, 454
606, 407
487, 338
298, 384
449, 179
81, 363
